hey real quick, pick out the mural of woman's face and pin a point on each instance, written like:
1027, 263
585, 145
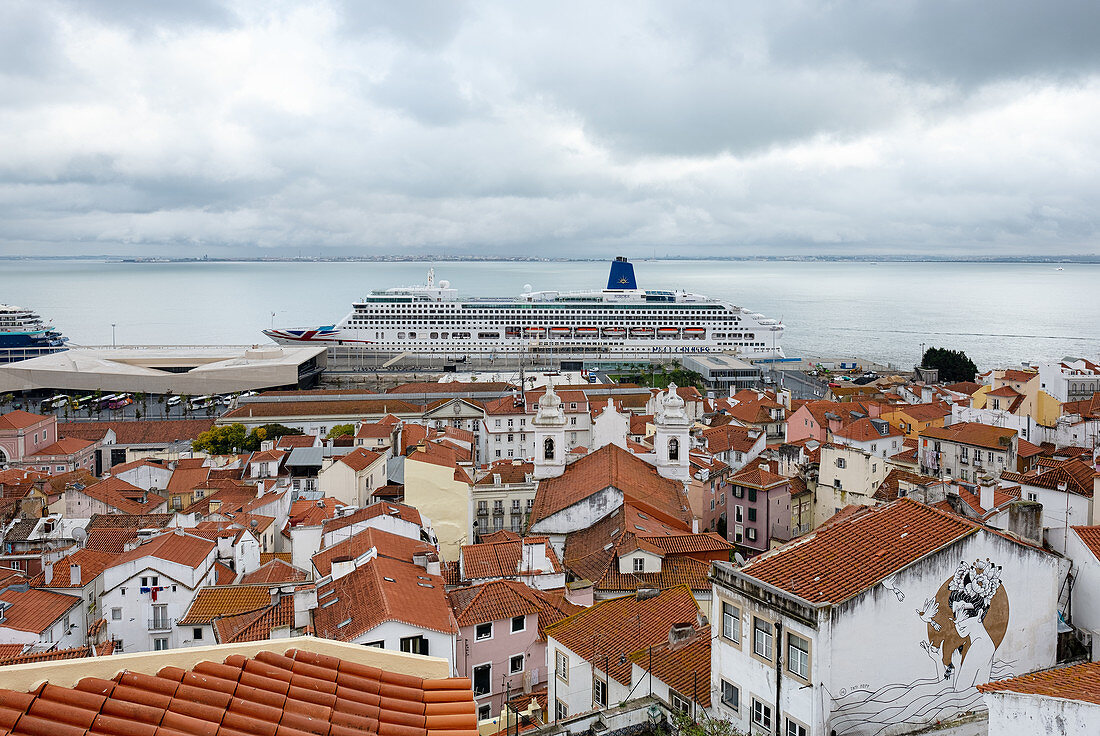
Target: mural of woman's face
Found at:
966, 619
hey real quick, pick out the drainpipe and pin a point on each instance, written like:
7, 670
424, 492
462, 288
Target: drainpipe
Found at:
778, 671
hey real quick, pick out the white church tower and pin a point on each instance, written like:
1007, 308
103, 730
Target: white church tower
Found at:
672, 439
549, 425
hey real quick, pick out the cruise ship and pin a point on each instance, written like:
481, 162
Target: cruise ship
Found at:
24, 335
621, 322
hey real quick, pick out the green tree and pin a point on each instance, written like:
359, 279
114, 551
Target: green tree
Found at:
953, 365
684, 725
340, 430
221, 440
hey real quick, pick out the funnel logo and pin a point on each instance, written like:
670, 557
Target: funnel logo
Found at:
624, 280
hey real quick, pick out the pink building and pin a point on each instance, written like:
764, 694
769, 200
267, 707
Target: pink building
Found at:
761, 502
31, 441
501, 646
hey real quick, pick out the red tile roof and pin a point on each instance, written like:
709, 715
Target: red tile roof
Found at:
349, 407
732, 437
1090, 537
964, 387
327, 696
840, 560
186, 478
379, 508
64, 446
864, 430
211, 602
385, 543
290, 441
19, 419
35, 610
359, 459
897, 478
755, 476
54, 655
256, 625
685, 669
274, 571
91, 562
267, 456
138, 432
174, 546
616, 628
504, 599
378, 591
675, 570
501, 559
973, 433
127, 498
1019, 376
683, 544
510, 471
612, 466
926, 412
1079, 682
1075, 475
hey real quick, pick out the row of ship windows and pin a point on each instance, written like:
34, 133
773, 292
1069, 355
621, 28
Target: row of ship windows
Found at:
496, 336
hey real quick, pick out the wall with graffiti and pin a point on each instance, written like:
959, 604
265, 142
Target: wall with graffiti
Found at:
913, 649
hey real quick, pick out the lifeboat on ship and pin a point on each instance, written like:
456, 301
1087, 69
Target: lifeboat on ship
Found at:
614, 332
534, 331
695, 332
559, 331
588, 331
641, 332
668, 331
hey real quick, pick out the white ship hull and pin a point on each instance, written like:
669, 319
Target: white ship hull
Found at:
613, 324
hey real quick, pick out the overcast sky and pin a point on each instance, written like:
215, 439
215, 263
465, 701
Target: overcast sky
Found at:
557, 128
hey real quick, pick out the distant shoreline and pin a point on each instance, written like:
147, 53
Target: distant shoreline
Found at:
441, 258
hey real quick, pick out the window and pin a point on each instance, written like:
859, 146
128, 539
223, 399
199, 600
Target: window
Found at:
731, 622
731, 696
679, 703
751, 534
483, 631
548, 449
639, 564
561, 710
116, 614
562, 662
840, 462
752, 495
761, 714
798, 655
515, 664
519, 623
196, 633
414, 645
673, 450
599, 692
159, 645
762, 638
484, 712
794, 728
145, 582
160, 618
376, 644
483, 677
738, 492
752, 513
739, 513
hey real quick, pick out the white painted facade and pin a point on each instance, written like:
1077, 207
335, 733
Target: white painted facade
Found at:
132, 616
1038, 715
147, 477
868, 657
572, 685
389, 635
1075, 380
610, 427
64, 632
1085, 602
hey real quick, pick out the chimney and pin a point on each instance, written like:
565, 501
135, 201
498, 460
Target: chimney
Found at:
342, 566
1025, 520
985, 497
47, 569
74, 575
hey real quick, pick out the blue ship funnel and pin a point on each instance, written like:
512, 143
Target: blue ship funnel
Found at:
622, 275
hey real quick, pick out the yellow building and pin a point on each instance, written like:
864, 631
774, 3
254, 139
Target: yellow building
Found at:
438, 477
1017, 392
912, 419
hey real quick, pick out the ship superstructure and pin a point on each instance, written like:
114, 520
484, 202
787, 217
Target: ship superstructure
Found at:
24, 334
620, 322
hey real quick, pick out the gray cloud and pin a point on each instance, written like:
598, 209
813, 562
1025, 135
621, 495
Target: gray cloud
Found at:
573, 129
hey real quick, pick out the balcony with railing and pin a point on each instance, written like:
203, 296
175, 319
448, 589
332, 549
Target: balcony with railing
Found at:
161, 623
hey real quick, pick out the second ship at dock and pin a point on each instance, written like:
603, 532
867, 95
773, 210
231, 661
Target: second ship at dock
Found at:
618, 323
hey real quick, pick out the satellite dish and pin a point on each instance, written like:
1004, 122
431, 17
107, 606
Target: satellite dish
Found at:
527, 287
739, 559
79, 535
444, 284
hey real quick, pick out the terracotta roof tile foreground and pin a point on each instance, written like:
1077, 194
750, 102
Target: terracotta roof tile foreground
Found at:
1090, 537
1079, 682
213, 602
293, 695
686, 669
842, 559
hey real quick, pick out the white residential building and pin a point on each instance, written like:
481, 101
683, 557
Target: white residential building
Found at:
150, 587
